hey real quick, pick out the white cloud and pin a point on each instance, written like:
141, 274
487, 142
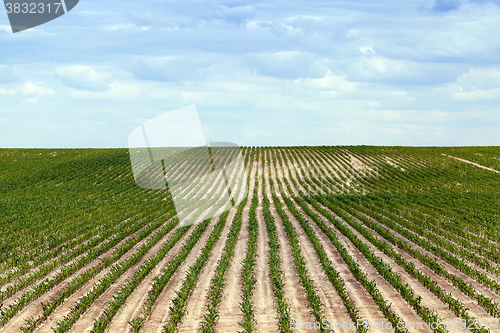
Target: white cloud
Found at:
328, 82
366, 49
289, 65
116, 92
5, 92
476, 84
31, 100
8, 74
83, 77
480, 78
37, 88
27, 89
172, 68
377, 68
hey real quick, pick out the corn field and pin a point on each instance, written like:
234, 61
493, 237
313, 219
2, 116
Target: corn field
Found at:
324, 239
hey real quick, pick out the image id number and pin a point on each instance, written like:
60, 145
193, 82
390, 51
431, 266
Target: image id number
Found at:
32, 8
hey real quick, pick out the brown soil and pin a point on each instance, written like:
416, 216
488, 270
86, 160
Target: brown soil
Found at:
229, 311
367, 309
197, 302
160, 313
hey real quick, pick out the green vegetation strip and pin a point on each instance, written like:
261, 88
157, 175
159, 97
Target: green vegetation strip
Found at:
178, 309
248, 273
488, 304
315, 304
161, 281
120, 297
454, 305
43, 287
218, 283
332, 274
275, 273
411, 232
100, 287
369, 285
46, 269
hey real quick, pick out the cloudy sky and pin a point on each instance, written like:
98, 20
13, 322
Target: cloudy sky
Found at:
315, 72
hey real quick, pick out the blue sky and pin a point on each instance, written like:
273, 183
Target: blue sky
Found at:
417, 72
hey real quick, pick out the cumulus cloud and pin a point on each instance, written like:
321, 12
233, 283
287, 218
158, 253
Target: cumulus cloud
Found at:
37, 89
389, 71
32, 90
477, 84
8, 74
291, 65
83, 77
480, 78
169, 68
328, 82
116, 92
4, 92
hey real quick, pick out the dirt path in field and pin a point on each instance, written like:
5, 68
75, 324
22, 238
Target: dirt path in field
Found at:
333, 306
134, 304
367, 309
196, 304
294, 293
160, 312
99, 305
265, 313
229, 311
34, 310
334, 309
473, 163
390, 294
429, 299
